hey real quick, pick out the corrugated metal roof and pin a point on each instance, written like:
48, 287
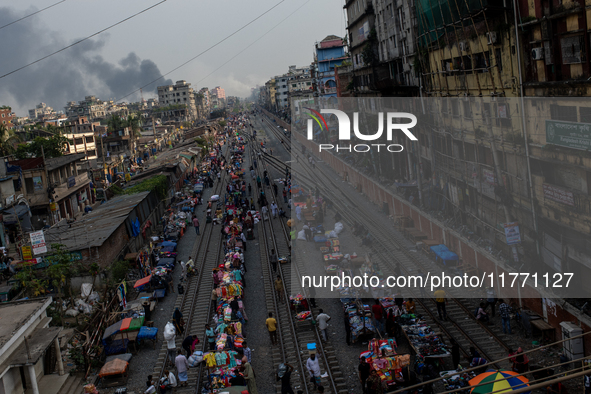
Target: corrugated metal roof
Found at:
96, 227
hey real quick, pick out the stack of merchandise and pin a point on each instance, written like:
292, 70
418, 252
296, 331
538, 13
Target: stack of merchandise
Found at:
222, 367
298, 303
424, 340
359, 320
457, 382
382, 358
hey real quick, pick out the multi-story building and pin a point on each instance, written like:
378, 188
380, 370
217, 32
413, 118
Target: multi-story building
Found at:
330, 52
270, 95
396, 28
363, 45
56, 188
220, 93
41, 110
81, 137
90, 107
6, 116
180, 93
281, 91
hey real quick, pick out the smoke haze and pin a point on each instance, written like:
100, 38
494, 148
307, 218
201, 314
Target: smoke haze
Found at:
68, 76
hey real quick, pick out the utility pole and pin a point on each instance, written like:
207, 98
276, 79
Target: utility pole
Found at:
51, 221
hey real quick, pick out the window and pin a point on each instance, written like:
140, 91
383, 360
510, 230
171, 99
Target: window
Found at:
455, 107
585, 113
29, 186
444, 106
565, 113
293, 85
499, 59
467, 108
2, 115
573, 49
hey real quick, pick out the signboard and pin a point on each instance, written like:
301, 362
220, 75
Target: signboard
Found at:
53, 206
559, 195
38, 242
71, 181
37, 183
27, 253
489, 176
512, 233
569, 134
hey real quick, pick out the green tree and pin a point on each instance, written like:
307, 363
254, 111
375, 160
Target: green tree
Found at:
135, 124
8, 139
31, 281
222, 123
53, 146
115, 123
60, 273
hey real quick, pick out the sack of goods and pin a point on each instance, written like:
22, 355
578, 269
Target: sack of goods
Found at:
281, 370
195, 358
338, 227
169, 332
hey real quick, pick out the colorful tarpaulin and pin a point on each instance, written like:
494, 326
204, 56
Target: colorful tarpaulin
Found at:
509, 383
127, 324
142, 281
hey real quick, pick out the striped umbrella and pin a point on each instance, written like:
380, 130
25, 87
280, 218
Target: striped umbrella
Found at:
511, 382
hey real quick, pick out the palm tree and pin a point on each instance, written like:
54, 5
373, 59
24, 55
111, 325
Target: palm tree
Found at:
8, 140
135, 122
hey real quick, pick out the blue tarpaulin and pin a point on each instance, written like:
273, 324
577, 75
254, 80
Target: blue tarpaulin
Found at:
442, 252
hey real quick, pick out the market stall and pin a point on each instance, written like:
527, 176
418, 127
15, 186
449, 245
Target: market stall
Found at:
382, 358
360, 321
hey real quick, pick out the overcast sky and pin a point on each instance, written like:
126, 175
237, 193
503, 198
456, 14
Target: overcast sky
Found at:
140, 50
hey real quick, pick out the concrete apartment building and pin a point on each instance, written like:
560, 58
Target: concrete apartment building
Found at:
91, 107
219, 92
6, 116
55, 189
41, 110
180, 93
396, 27
27, 365
80, 134
330, 52
282, 91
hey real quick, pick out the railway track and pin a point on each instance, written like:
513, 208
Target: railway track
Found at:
293, 336
390, 246
195, 303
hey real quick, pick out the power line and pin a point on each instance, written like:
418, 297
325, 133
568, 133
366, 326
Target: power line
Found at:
34, 13
82, 40
254, 42
203, 52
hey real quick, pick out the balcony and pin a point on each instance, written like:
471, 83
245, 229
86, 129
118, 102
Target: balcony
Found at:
72, 183
329, 90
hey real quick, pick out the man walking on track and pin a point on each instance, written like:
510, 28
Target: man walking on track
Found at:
440, 300
196, 224
272, 327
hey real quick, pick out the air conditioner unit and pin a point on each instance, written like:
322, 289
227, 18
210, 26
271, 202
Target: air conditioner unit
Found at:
491, 37
463, 46
537, 53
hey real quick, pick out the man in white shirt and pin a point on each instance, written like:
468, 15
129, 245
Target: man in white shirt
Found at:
182, 366
322, 320
313, 367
